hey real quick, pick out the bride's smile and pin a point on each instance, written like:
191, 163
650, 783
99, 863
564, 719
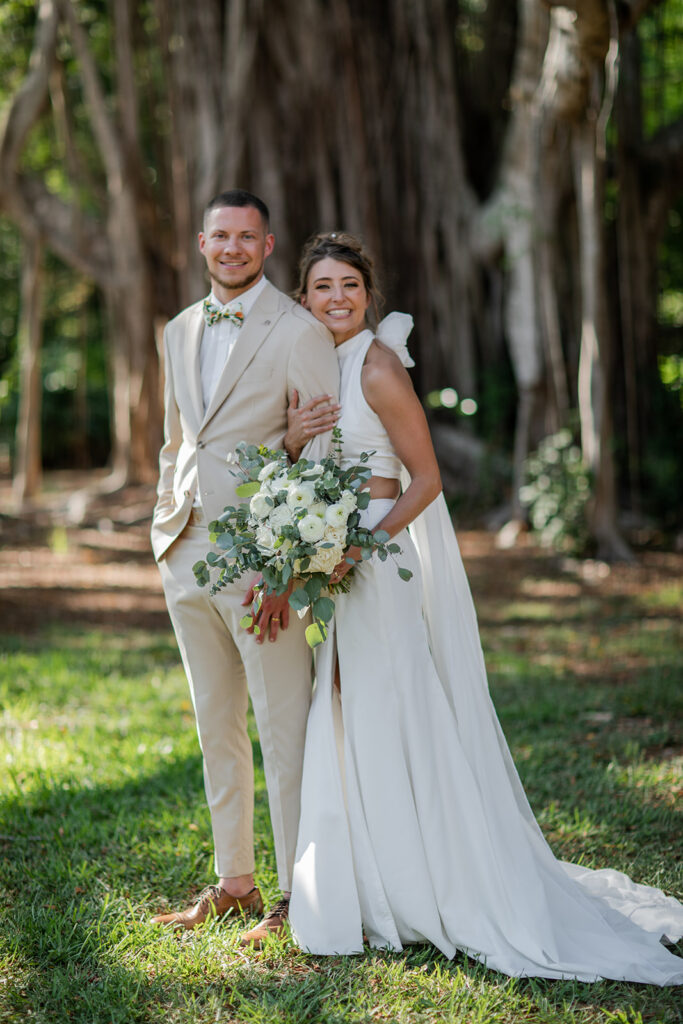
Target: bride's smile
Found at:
337, 296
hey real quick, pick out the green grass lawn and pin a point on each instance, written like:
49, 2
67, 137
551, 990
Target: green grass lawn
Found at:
103, 822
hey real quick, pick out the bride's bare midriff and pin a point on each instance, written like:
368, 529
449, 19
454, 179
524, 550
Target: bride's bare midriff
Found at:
382, 487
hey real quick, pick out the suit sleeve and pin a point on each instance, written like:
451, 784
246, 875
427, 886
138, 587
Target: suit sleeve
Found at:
173, 436
313, 370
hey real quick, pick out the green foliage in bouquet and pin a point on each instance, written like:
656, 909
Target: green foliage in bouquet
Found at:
556, 492
295, 528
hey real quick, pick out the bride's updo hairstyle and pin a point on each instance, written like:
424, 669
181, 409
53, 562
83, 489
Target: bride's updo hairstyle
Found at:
340, 245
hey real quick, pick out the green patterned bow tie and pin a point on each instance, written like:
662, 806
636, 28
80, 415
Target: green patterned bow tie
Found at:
233, 313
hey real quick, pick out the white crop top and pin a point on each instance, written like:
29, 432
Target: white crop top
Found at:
362, 429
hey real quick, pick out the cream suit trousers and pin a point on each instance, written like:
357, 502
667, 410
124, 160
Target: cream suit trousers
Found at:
224, 666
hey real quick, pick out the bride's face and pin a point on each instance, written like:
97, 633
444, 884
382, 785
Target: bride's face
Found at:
336, 295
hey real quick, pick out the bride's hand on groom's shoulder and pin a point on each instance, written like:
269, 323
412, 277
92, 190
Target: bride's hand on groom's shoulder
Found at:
316, 416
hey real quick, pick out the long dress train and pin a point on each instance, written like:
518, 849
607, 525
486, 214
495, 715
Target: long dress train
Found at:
414, 823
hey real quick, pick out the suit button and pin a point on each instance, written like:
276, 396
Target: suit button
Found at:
188, 494
201, 444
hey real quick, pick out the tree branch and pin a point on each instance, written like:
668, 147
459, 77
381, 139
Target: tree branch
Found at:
25, 109
103, 128
75, 237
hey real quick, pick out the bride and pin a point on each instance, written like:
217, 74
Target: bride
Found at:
414, 824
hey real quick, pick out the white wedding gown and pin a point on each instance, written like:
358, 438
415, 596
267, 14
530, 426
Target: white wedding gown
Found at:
414, 824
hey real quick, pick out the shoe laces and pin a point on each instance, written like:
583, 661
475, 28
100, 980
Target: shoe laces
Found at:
208, 895
279, 909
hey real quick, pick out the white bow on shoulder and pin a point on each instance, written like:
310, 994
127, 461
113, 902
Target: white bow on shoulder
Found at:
393, 332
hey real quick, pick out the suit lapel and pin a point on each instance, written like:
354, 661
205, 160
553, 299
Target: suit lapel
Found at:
193, 340
257, 326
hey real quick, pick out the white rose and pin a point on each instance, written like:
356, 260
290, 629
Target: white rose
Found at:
335, 534
318, 508
349, 501
326, 559
281, 516
311, 528
269, 470
259, 505
300, 495
265, 538
337, 514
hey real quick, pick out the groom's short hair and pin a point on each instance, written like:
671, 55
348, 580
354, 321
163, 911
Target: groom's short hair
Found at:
238, 197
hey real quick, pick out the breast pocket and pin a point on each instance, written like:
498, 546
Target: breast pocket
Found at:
257, 371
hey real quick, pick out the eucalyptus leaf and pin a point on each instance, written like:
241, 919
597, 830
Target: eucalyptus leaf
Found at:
298, 599
405, 574
316, 634
246, 490
323, 609
313, 588
381, 536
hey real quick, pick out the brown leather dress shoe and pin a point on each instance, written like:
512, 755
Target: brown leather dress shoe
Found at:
272, 924
213, 901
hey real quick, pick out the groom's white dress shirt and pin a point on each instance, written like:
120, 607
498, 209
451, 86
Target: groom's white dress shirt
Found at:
219, 340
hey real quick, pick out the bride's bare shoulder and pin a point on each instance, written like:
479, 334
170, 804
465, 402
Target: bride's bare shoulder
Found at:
384, 375
381, 359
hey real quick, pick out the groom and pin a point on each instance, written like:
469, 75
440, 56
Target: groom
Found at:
232, 362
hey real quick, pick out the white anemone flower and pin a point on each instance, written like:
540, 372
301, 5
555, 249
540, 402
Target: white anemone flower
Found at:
281, 516
300, 495
311, 528
259, 505
280, 483
265, 538
349, 500
270, 469
337, 514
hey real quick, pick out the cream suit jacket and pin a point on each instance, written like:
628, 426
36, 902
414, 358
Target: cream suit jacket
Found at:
281, 346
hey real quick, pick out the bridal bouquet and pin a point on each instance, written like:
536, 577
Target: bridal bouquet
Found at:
295, 527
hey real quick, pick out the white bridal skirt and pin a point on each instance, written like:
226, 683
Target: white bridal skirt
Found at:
414, 824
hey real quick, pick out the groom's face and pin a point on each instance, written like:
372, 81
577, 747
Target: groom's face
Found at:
235, 245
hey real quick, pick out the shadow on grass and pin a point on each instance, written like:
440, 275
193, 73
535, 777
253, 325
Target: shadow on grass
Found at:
103, 858
75, 903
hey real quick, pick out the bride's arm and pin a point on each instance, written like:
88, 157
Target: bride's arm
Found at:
389, 391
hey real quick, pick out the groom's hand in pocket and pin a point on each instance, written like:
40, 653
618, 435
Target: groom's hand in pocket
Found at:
270, 612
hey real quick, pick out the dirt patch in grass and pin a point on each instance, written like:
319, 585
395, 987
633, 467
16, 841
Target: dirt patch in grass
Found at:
83, 556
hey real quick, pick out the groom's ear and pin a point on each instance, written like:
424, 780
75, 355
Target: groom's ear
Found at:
303, 302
